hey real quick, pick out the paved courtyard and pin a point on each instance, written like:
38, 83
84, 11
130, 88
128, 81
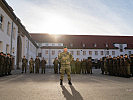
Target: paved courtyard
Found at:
46, 87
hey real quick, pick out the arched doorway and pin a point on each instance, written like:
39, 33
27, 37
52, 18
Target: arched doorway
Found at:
19, 51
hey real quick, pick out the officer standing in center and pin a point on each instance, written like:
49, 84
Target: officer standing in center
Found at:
65, 58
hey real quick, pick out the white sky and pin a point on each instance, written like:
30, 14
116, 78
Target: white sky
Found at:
91, 17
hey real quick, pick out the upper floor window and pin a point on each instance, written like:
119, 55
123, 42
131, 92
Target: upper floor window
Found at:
101, 52
1, 46
46, 52
107, 52
90, 52
113, 52
96, 52
53, 52
84, 52
9, 28
14, 33
78, 52
1, 22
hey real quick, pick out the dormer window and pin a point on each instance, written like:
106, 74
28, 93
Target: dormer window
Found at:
95, 45
83, 45
107, 45
71, 45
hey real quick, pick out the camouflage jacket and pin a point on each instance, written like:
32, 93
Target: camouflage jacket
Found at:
65, 58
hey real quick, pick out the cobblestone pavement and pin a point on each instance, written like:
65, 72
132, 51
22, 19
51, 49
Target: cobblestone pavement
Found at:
46, 87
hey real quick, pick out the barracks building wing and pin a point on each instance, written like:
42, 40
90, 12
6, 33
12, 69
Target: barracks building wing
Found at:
82, 46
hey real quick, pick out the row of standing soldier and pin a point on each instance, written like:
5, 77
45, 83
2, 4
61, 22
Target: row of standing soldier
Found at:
117, 66
77, 67
6, 64
33, 68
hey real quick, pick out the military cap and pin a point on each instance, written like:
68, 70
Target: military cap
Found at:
65, 46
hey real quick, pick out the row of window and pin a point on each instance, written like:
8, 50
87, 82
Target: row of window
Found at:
84, 52
7, 48
95, 45
9, 27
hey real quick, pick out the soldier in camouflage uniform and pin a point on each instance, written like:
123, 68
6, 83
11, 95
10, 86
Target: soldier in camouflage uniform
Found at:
65, 58
37, 64
24, 64
31, 65
127, 66
72, 64
56, 62
131, 64
83, 66
78, 66
43, 65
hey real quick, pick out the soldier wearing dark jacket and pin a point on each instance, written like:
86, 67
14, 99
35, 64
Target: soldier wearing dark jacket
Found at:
11, 64
7, 67
102, 65
43, 65
131, 64
37, 64
118, 66
2, 62
89, 66
56, 62
24, 64
127, 66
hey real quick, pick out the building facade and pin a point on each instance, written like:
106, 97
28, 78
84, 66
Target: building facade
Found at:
83, 46
14, 38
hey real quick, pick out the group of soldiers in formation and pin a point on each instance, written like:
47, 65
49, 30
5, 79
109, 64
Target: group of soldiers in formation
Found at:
6, 64
77, 67
117, 66
34, 69
121, 66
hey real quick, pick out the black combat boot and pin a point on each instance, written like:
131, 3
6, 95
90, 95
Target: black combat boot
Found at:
61, 82
69, 82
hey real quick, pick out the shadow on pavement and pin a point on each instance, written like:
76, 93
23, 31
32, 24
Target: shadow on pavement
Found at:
75, 94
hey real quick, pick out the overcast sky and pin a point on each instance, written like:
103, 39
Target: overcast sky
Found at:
92, 17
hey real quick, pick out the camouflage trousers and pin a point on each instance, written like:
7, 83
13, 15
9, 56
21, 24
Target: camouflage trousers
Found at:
67, 69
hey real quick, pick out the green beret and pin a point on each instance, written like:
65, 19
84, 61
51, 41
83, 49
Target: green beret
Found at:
65, 46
